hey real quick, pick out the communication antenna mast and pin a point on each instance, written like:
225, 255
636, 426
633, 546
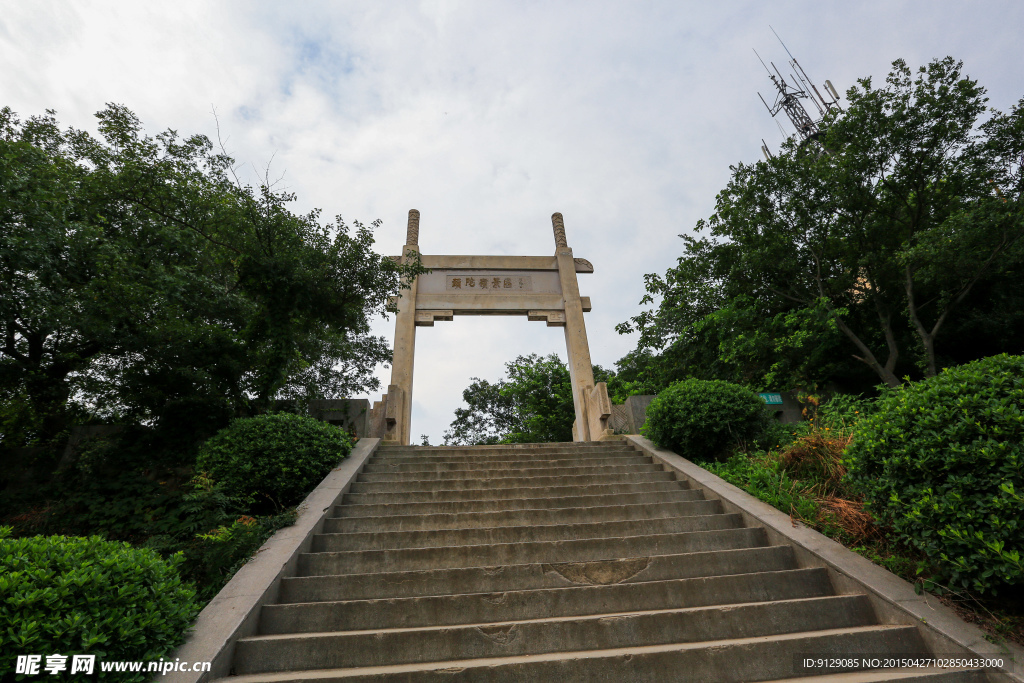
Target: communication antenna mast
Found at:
790, 95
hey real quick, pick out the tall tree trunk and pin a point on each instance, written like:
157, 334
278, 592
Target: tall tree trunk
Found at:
928, 336
48, 392
885, 372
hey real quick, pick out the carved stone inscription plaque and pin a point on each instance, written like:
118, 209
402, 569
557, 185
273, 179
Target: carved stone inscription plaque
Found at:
453, 282
481, 283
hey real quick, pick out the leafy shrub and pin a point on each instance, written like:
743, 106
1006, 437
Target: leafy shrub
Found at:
277, 458
212, 558
72, 595
942, 462
843, 411
205, 506
125, 506
225, 549
702, 419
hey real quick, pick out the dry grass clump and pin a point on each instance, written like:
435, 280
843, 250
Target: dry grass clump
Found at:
849, 516
818, 458
815, 458
31, 520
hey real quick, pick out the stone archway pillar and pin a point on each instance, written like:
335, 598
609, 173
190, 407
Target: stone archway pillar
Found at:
398, 401
591, 415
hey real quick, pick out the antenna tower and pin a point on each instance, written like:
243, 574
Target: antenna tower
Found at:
790, 95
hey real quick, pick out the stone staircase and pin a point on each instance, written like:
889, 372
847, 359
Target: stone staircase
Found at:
553, 562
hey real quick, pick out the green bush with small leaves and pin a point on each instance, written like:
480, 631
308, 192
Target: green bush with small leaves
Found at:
67, 595
704, 419
276, 459
842, 411
942, 462
215, 534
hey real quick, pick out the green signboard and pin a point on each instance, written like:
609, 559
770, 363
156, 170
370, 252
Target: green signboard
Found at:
772, 399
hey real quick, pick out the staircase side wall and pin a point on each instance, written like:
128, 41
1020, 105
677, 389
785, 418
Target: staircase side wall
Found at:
893, 599
234, 612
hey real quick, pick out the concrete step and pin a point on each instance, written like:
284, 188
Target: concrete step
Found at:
436, 538
560, 447
761, 658
563, 470
583, 550
509, 482
501, 459
565, 502
522, 446
477, 520
469, 455
517, 605
532, 576
525, 491
554, 562
549, 634
418, 465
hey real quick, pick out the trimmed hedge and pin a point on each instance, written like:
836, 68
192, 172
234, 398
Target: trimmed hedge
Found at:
276, 458
704, 419
68, 595
942, 463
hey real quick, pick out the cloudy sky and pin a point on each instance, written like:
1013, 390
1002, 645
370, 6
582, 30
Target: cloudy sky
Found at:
487, 117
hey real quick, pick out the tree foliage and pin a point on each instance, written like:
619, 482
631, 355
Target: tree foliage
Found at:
142, 280
534, 405
863, 245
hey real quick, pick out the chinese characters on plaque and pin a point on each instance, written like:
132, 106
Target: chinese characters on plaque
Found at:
483, 283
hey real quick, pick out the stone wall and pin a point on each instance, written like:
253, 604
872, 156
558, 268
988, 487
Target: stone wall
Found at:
791, 410
629, 417
351, 414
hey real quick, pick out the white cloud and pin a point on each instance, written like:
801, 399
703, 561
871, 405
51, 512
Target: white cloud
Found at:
486, 116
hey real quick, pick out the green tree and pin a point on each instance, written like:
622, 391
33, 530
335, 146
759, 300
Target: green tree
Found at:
141, 280
874, 235
534, 405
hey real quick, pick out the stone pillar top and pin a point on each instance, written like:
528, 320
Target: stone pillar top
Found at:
412, 233
559, 227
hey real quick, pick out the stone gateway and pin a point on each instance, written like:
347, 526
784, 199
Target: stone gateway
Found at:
543, 288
